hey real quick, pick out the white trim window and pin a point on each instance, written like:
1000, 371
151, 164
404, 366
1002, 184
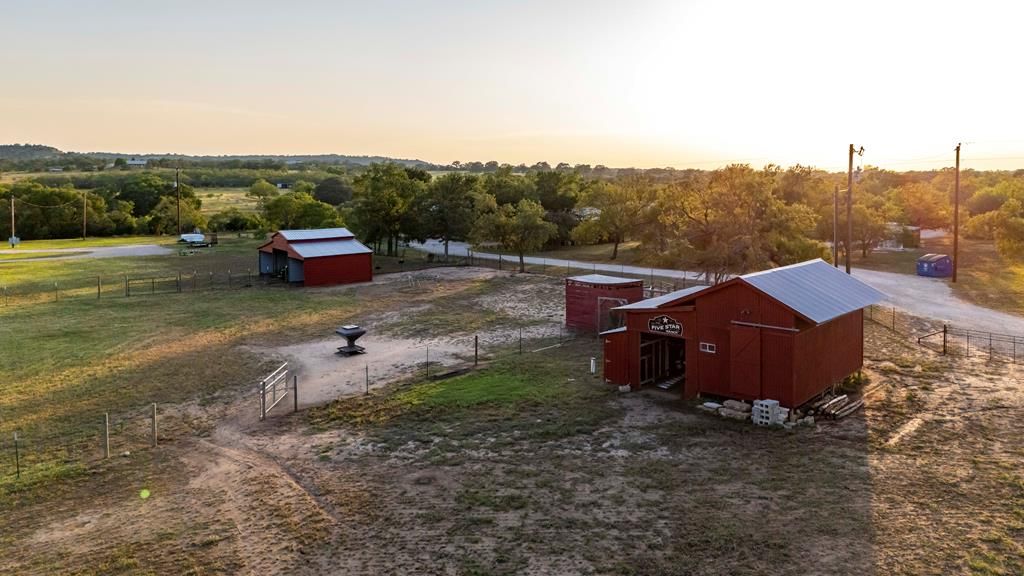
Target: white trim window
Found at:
708, 347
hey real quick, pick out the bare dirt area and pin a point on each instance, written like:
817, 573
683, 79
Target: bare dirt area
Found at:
529, 465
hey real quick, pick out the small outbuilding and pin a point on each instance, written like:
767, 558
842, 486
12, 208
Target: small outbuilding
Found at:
316, 257
784, 334
935, 265
590, 299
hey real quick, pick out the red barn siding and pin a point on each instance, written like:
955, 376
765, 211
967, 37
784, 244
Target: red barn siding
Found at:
616, 358
342, 269
777, 366
827, 353
582, 301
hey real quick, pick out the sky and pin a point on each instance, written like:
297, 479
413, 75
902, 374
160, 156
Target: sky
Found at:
645, 83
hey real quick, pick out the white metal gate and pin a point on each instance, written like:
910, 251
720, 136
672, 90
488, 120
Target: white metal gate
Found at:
274, 388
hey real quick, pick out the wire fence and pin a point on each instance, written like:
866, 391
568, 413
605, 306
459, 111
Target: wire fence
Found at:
34, 453
51, 447
947, 339
239, 273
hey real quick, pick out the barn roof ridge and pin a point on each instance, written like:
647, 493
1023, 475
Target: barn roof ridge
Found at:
300, 235
813, 290
603, 279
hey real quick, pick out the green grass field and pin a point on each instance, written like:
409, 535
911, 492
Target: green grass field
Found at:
220, 199
29, 255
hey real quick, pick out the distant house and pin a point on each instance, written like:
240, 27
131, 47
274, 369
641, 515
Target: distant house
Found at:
136, 163
282, 185
55, 169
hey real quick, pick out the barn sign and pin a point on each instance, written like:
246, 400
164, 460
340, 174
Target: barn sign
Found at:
665, 325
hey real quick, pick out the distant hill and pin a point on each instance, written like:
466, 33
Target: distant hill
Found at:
28, 152
24, 152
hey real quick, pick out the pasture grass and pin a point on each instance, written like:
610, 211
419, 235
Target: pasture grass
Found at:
220, 199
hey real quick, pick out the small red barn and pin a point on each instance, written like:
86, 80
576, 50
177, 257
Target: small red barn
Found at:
784, 334
317, 257
590, 299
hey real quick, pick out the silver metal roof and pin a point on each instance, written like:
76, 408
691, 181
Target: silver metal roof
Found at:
320, 234
330, 248
602, 279
659, 301
815, 289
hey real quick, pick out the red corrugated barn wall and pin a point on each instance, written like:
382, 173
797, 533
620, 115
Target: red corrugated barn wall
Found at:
762, 349
827, 353
582, 301
343, 269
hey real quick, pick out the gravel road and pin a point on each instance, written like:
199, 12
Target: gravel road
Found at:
925, 297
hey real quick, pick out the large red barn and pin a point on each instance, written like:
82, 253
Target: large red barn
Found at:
784, 334
317, 257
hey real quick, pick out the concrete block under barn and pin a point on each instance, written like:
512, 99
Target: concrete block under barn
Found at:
590, 299
786, 334
317, 257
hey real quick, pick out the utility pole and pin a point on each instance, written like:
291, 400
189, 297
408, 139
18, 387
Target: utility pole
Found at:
849, 205
956, 215
13, 235
835, 226
177, 190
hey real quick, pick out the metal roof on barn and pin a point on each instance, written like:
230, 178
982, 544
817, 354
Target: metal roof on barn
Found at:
320, 234
659, 301
815, 290
604, 280
330, 248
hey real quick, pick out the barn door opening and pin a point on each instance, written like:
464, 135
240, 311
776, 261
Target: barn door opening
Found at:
745, 362
662, 361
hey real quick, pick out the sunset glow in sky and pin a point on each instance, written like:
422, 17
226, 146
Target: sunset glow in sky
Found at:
640, 83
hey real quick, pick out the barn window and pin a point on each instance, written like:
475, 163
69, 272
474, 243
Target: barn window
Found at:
708, 347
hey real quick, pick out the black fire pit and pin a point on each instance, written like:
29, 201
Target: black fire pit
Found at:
351, 333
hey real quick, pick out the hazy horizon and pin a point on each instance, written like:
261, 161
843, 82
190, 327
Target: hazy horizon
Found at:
651, 84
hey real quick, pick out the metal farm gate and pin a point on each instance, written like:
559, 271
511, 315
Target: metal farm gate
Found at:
274, 388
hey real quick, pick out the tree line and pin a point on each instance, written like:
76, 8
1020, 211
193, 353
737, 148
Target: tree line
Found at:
725, 221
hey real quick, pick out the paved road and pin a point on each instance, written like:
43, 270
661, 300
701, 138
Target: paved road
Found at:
97, 252
924, 297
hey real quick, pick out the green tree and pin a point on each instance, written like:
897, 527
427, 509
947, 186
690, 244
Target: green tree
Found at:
304, 187
334, 190
520, 228
446, 210
164, 218
617, 211
383, 196
1009, 230
262, 191
298, 210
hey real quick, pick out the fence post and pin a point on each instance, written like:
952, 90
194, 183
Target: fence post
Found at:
127, 290
229, 278
17, 456
295, 391
56, 293
98, 286
179, 282
154, 425
968, 343
499, 261
367, 378
945, 333
989, 346
476, 349
893, 318
427, 365
106, 435
520, 339
263, 400
193, 280
211, 280
544, 266
152, 285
